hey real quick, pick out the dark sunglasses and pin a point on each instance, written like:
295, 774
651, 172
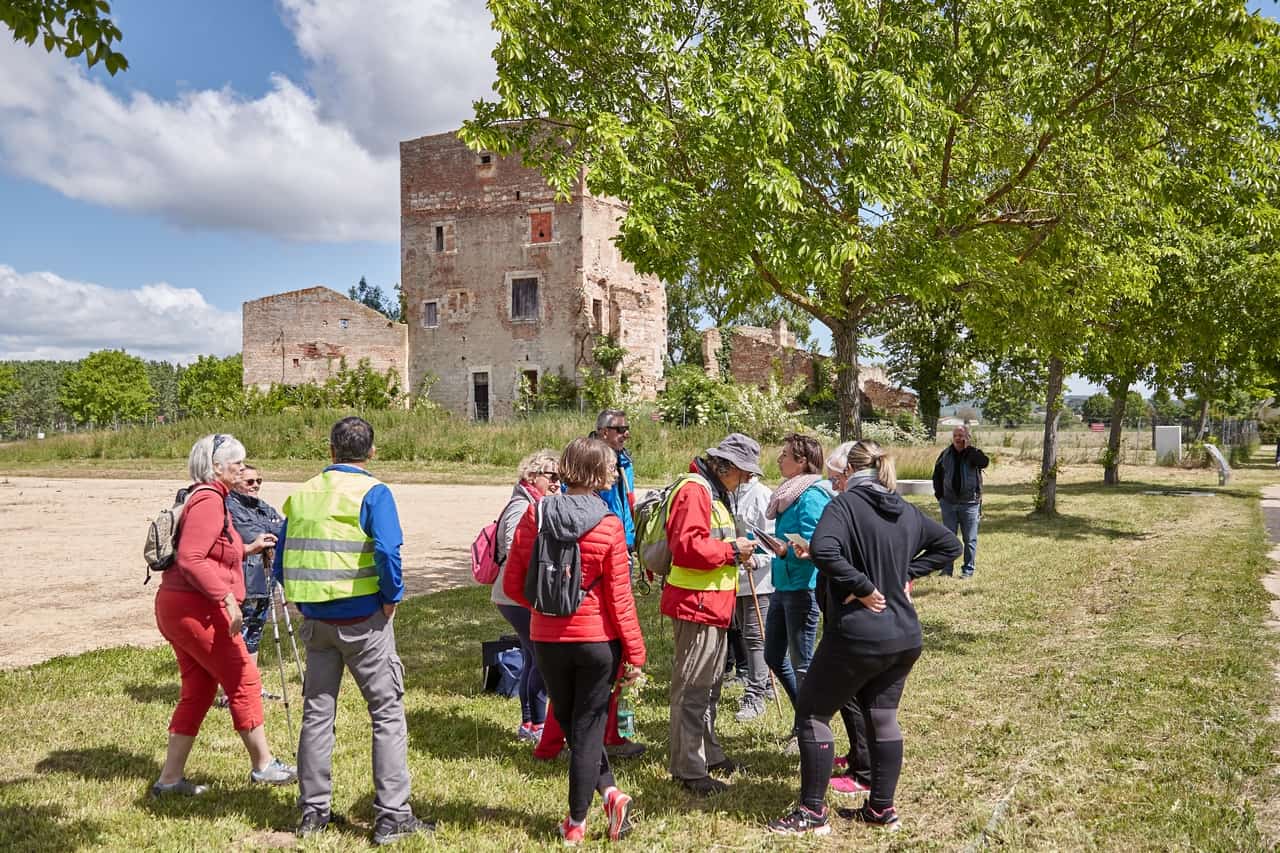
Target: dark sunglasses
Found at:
257, 482
620, 429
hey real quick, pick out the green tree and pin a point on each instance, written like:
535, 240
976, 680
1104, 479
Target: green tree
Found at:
373, 297
108, 387
1097, 407
1007, 392
37, 404
857, 155
213, 387
70, 27
928, 349
164, 377
1136, 410
9, 388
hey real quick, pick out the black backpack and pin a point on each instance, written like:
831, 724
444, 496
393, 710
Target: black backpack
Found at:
553, 585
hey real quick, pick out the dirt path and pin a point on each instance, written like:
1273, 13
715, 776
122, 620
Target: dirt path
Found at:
72, 577
1269, 812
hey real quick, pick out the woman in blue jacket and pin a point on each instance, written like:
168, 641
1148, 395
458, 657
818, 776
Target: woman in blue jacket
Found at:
792, 626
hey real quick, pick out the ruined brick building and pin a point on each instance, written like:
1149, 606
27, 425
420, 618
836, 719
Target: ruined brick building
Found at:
753, 355
505, 285
302, 336
502, 284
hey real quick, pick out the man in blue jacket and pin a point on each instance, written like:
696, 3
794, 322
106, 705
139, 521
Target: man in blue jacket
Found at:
339, 560
612, 428
957, 486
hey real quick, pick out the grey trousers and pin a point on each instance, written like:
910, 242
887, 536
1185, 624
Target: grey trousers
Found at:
753, 636
697, 673
368, 649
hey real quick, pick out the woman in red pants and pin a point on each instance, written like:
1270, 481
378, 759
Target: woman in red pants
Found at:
198, 612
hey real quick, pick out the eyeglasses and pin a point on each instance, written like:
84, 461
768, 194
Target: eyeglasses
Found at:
621, 430
253, 482
550, 475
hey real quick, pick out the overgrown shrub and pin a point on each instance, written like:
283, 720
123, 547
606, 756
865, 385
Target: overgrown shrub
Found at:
692, 398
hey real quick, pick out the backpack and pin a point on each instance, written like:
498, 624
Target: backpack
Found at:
652, 551
553, 585
161, 548
485, 563
502, 661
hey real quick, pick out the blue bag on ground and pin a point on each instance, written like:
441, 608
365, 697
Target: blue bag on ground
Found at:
502, 663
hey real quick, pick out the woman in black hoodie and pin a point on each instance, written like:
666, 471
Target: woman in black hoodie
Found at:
868, 545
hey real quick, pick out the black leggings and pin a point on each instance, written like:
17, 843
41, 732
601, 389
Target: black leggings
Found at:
579, 679
835, 676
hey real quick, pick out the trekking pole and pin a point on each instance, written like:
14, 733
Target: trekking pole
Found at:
284, 690
773, 682
288, 624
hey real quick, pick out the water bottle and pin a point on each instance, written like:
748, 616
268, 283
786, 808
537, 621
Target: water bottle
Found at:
626, 717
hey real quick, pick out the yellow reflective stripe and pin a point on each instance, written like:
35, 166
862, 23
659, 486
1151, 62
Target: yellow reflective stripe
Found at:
722, 579
332, 575
322, 560
336, 546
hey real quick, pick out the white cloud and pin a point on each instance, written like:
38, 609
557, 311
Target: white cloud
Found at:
47, 316
316, 166
396, 69
209, 159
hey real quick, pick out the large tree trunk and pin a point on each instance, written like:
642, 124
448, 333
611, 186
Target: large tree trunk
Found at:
930, 404
1119, 391
1046, 498
845, 337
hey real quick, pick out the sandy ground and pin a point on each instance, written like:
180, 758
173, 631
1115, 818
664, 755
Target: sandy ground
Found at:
72, 580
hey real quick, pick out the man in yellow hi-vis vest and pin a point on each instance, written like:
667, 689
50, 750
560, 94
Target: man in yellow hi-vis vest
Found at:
339, 561
699, 596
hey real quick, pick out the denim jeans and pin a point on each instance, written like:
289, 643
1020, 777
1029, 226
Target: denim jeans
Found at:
254, 613
965, 518
790, 631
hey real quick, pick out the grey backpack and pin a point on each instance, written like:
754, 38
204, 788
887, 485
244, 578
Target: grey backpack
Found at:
161, 547
553, 585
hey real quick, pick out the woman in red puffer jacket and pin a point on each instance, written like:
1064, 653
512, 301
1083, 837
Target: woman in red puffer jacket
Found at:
582, 654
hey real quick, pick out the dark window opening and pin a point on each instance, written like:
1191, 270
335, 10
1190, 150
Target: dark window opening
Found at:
431, 314
296, 363
524, 299
597, 314
439, 238
531, 381
480, 395
517, 195
486, 159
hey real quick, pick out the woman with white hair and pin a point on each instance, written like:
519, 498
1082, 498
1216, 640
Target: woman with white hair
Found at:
198, 612
538, 476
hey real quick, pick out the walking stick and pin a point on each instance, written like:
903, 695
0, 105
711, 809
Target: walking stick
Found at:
284, 690
288, 624
773, 682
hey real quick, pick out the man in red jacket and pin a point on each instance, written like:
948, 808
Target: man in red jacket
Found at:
699, 596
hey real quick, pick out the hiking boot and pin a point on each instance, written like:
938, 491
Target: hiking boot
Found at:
848, 785
725, 767
750, 709
704, 786
802, 821
572, 835
887, 819
275, 773
626, 749
312, 822
617, 808
388, 830
183, 787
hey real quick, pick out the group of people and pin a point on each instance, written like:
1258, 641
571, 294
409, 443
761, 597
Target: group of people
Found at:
752, 568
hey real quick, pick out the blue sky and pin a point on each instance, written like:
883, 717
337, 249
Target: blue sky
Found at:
250, 149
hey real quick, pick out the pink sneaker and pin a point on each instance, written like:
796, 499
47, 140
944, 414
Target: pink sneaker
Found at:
839, 763
848, 786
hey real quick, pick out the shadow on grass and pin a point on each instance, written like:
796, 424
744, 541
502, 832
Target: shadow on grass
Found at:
100, 762
40, 827
165, 694
264, 807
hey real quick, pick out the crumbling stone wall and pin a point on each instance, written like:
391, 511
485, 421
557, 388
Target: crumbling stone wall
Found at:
302, 336
755, 354
505, 284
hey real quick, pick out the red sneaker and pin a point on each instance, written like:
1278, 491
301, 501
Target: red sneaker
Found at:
572, 835
617, 808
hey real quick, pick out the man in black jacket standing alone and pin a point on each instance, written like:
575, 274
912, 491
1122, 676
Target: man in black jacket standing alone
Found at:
957, 485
